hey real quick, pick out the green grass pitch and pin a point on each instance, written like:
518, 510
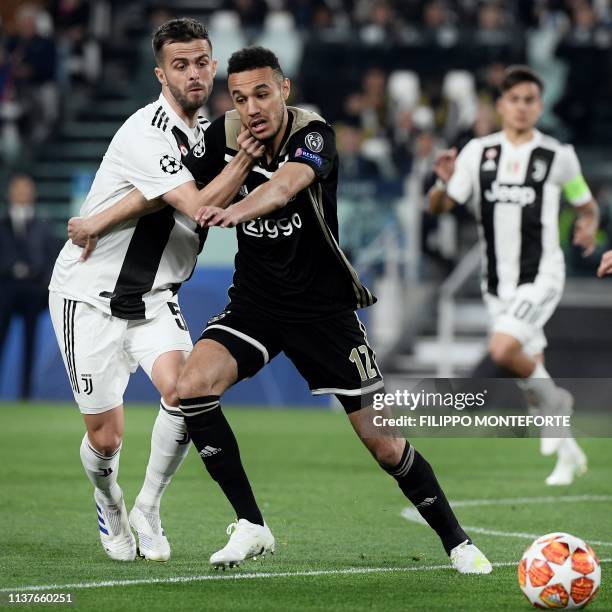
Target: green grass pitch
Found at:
333, 512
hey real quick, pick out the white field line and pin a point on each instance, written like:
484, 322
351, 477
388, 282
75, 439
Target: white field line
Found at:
510, 501
237, 576
408, 513
411, 514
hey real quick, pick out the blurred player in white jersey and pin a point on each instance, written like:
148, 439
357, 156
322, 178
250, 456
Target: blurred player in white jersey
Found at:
117, 308
514, 179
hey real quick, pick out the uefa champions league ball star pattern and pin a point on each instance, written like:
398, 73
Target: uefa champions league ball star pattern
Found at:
559, 571
170, 165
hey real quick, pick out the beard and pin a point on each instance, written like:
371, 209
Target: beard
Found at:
188, 106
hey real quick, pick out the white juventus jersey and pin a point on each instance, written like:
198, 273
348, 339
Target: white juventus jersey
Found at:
516, 190
140, 263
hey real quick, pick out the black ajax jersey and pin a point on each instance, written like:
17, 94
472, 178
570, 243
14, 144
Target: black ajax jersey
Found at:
289, 263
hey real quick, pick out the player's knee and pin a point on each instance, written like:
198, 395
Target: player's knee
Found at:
501, 352
192, 383
168, 391
105, 441
387, 451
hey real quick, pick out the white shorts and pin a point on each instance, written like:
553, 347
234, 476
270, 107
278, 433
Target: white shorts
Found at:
524, 314
101, 351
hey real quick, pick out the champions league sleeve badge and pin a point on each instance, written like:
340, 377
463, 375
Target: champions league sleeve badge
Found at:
170, 165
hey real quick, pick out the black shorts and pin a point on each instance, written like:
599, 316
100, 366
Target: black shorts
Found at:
333, 355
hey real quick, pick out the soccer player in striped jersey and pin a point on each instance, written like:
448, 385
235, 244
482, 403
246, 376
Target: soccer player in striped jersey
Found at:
514, 179
118, 308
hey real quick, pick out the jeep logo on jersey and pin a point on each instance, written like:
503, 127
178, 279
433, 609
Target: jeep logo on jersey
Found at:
272, 228
170, 165
510, 194
314, 141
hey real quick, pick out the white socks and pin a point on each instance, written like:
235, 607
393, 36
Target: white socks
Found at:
540, 385
169, 447
102, 471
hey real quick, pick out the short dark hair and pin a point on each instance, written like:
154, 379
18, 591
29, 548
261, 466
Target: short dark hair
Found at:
251, 58
183, 29
513, 75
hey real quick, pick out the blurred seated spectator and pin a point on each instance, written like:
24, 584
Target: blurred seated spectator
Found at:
33, 60
355, 169
251, 12
381, 26
79, 51
27, 252
370, 106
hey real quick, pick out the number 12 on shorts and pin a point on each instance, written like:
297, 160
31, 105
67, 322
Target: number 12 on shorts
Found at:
364, 366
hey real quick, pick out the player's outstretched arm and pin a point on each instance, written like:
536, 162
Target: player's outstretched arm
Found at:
85, 231
282, 186
444, 167
586, 226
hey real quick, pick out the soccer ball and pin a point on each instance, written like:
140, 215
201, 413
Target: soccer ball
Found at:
559, 570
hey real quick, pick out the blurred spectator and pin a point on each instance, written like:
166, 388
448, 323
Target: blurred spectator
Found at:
33, 60
370, 106
79, 52
251, 12
586, 50
354, 167
381, 25
26, 256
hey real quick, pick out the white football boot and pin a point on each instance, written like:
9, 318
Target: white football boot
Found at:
153, 544
571, 462
115, 533
247, 541
551, 437
468, 559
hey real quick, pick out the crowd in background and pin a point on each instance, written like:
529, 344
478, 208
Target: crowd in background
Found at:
399, 79
48, 48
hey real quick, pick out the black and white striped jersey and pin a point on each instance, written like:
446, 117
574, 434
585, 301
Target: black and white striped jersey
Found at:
139, 264
289, 262
515, 191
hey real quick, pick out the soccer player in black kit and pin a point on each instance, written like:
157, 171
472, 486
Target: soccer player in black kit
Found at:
293, 291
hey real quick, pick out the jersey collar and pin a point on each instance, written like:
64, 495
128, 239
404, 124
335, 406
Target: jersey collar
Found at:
535, 140
177, 120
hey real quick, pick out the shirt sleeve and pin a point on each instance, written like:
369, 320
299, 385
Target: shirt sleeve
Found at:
152, 163
315, 146
461, 185
570, 179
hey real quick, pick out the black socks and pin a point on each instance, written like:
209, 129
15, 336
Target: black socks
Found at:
419, 484
213, 437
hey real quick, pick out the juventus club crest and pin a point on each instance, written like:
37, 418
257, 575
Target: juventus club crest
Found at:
540, 168
87, 384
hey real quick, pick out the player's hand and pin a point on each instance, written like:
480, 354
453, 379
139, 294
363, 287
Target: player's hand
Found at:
250, 145
211, 216
605, 265
444, 166
81, 233
585, 230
